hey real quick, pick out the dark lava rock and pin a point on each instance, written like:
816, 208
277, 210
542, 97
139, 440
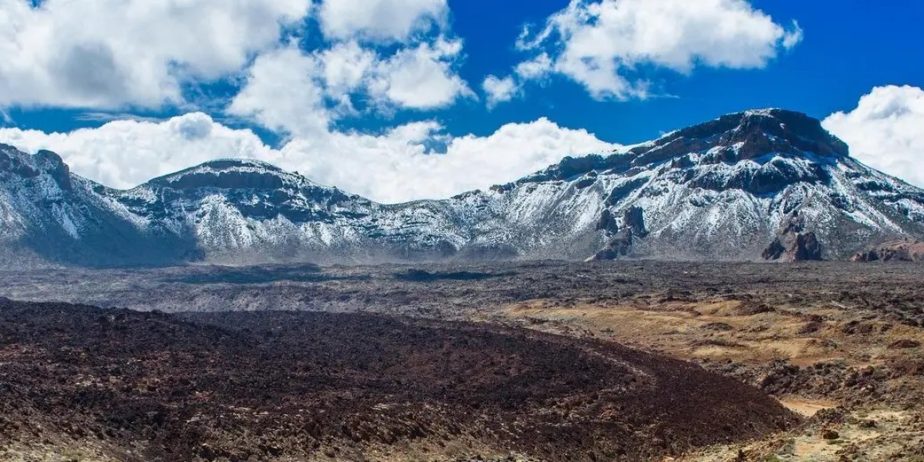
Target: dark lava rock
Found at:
718, 326
621, 237
904, 344
296, 385
751, 309
867, 423
419, 275
810, 327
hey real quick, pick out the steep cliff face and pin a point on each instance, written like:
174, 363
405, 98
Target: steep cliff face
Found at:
768, 184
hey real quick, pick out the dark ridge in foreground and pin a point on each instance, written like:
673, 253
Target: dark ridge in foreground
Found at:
124, 385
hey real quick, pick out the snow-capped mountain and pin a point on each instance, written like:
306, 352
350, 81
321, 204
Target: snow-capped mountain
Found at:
769, 184
240, 211
48, 214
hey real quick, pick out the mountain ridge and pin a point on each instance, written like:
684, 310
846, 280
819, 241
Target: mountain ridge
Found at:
757, 185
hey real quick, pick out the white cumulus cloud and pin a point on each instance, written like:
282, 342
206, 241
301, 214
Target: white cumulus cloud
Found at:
600, 43
421, 77
113, 53
393, 166
396, 166
499, 90
292, 91
886, 131
386, 20
125, 153
283, 94
535, 68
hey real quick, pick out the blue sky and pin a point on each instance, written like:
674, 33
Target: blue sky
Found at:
849, 47
269, 93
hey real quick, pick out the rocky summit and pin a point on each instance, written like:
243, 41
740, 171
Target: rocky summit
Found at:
757, 185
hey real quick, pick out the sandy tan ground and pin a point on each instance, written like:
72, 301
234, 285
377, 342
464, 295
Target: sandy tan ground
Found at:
847, 419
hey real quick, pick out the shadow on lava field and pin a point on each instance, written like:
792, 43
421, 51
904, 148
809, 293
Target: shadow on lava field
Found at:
82, 382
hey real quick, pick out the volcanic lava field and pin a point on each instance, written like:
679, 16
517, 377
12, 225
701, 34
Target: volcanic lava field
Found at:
541, 361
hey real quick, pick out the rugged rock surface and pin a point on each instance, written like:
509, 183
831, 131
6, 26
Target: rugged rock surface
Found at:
83, 383
722, 190
909, 251
794, 243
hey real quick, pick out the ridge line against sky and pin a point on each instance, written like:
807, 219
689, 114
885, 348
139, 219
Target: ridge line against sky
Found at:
407, 99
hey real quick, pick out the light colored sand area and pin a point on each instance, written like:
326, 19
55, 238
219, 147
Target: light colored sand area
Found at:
873, 436
806, 407
717, 331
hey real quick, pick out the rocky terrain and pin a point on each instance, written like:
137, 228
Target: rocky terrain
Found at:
81, 383
911, 251
838, 343
758, 185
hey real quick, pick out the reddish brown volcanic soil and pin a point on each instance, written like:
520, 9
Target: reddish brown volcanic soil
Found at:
124, 385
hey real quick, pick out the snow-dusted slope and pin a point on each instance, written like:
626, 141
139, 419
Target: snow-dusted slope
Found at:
739, 187
241, 211
768, 184
48, 214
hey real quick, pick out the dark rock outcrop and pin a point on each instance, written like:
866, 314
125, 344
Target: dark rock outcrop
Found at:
607, 222
620, 237
634, 219
794, 244
907, 251
618, 245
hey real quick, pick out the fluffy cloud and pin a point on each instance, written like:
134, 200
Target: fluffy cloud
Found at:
499, 90
125, 153
111, 53
535, 68
421, 77
346, 66
886, 131
601, 43
393, 166
388, 20
300, 93
394, 54
282, 94
396, 166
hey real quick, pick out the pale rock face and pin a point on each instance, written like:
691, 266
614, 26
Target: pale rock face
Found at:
729, 189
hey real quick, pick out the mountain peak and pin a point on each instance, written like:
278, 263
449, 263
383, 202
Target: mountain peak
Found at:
24, 165
742, 136
731, 138
759, 132
231, 165
226, 174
